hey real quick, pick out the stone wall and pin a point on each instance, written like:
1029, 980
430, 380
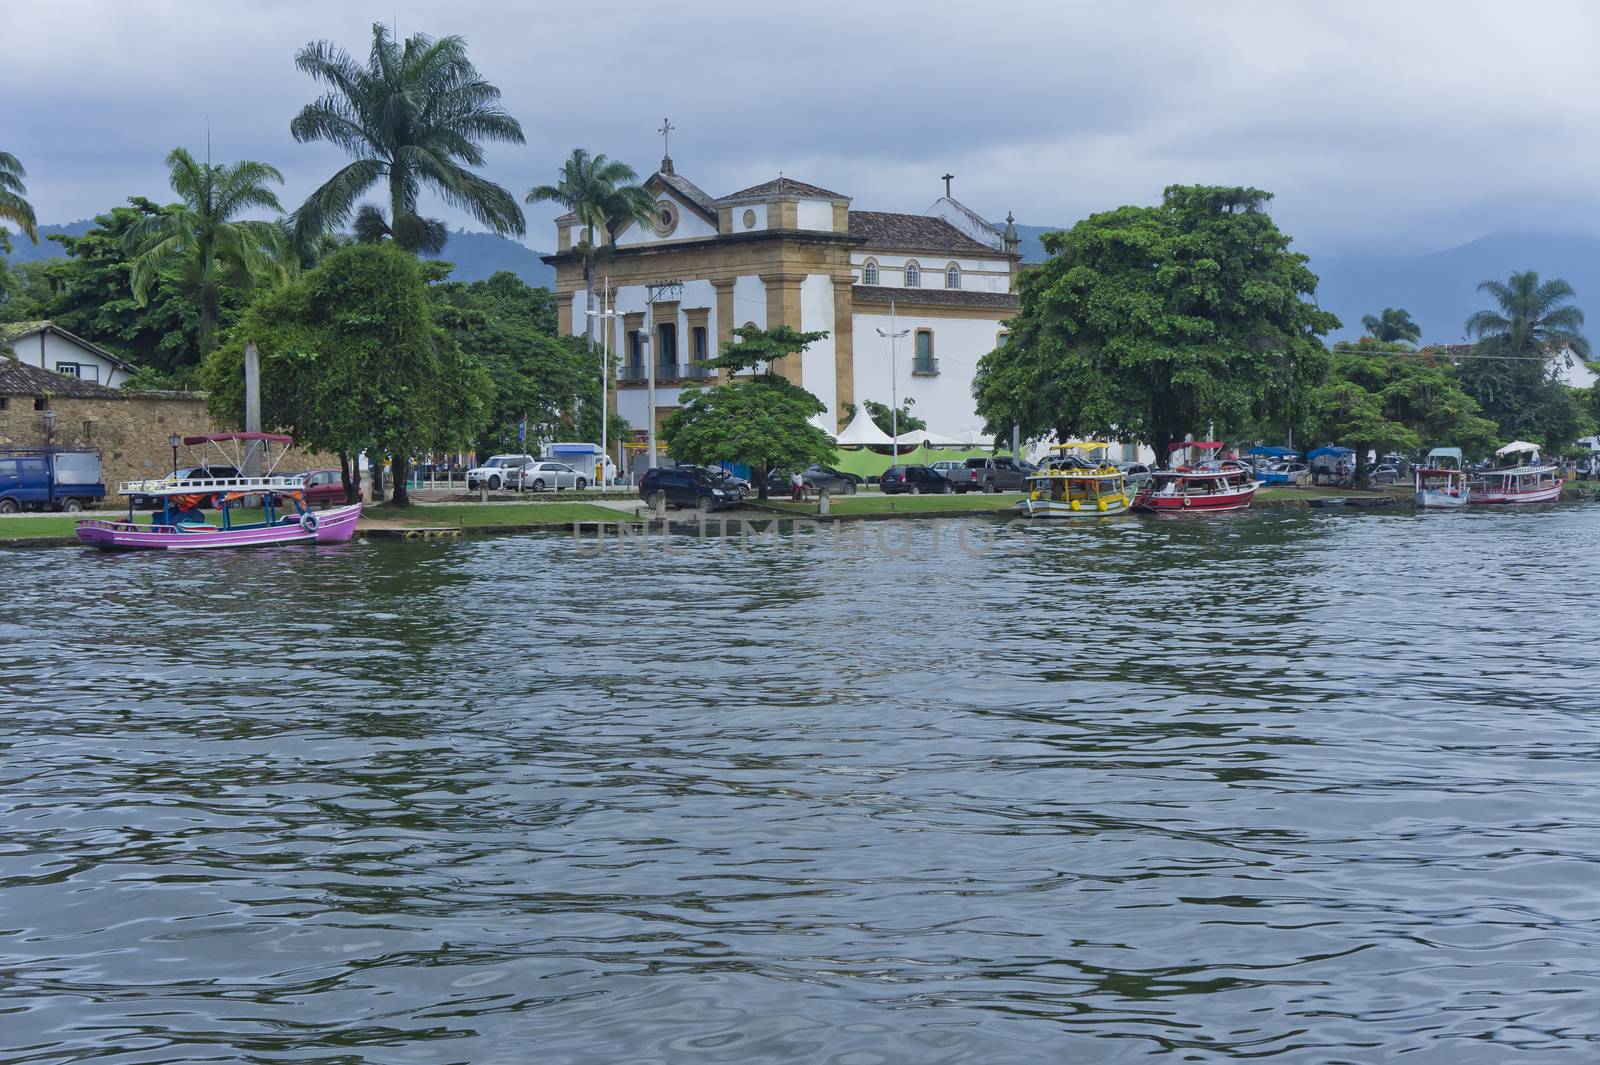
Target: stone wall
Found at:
130, 432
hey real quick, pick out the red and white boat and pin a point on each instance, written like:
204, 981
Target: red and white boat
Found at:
1523, 480
1205, 485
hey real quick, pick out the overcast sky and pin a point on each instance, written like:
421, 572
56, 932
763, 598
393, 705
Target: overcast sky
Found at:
1396, 126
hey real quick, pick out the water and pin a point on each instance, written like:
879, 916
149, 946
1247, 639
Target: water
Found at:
1305, 788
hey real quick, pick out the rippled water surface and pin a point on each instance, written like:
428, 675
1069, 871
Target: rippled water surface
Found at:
1294, 787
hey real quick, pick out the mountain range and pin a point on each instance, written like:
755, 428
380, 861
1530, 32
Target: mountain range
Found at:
1438, 288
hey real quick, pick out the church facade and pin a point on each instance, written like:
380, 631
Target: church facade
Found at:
785, 252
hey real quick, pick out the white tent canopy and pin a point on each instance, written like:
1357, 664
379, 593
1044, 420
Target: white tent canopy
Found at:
1518, 447
929, 438
863, 430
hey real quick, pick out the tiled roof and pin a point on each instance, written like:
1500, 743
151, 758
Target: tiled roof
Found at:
942, 297
914, 232
20, 379
690, 192
785, 187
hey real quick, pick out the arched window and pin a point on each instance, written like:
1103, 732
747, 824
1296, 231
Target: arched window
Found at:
952, 276
869, 272
913, 275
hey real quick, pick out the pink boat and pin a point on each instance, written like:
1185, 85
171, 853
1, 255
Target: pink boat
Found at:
284, 514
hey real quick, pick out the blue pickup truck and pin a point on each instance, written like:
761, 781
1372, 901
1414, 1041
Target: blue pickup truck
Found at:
49, 479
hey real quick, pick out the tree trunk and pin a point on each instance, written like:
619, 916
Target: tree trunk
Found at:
1161, 441
375, 464
588, 303
760, 474
397, 474
210, 314
351, 489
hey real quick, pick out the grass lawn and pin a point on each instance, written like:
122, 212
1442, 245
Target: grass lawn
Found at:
37, 526
475, 514
873, 503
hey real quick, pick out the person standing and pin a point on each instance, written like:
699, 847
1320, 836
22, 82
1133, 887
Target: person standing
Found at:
797, 488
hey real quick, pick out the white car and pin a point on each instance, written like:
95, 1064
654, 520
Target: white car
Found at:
499, 472
545, 473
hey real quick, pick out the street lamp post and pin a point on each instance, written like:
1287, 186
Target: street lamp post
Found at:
605, 314
174, 440
654, 292
894, 397
49, 419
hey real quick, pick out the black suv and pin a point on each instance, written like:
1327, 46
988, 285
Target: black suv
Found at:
684, 487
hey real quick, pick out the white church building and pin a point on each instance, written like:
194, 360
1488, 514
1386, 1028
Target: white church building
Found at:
788, 252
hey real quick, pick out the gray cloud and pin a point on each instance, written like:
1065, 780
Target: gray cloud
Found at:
1398, 126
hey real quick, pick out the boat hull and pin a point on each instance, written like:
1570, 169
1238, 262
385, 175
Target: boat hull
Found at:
1442, 500
1177, 503
1051, 508
1543, 495
332, 526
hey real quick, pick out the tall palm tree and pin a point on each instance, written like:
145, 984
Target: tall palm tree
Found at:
203, 228
600, 192
416, 115
1394, 325
13, 208
1533, 318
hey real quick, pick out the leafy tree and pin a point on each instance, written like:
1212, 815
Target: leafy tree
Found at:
1513, 371
415, 115
763, 421
202, 233
1393, 325
352, 361
1149, 322
13, 208
88, 293
1383, 396
601, 192
509, 329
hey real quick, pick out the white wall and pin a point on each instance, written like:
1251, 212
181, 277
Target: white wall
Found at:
814, 214
690, 226
758, 209
749, 301
818, 366
978, 229
977, 275
944, 401
45, 350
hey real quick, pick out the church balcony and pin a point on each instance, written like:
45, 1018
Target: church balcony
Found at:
691, 371
925, 367
632, 373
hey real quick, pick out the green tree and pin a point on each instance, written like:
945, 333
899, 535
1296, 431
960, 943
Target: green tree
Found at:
762, 421
13, 208
352, 361
1393, 325
1514, 369
601, 193
203, 233
1149, 322
417, 114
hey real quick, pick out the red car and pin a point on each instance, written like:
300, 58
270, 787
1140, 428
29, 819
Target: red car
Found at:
324, 488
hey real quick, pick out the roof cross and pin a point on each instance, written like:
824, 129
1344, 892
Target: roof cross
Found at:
947, 178
666, 129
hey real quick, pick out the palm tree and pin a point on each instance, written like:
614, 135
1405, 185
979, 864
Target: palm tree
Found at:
202, 228
600, 192
1533, 318
1394, 325
13, 208
415, 115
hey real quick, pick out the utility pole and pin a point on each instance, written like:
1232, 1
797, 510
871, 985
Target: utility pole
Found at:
653, 292
252, 408
606, 314
894, 390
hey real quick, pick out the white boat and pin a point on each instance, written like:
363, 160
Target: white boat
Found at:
1523, 480
1079, 482
1441, 482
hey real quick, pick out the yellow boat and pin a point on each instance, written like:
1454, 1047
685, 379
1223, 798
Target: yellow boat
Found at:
1079, 481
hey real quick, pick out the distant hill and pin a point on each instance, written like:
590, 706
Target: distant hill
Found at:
1440, 289
476, 255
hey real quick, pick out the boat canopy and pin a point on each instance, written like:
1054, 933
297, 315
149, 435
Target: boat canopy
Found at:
215, 438
1083, 445
1274, 452
1203, 445
1518, 447
1445, 453
1328, 450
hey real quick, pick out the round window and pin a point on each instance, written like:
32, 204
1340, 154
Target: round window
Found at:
749, 219
666, 217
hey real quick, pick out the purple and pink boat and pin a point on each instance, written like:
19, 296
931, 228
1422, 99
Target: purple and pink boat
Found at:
275, 508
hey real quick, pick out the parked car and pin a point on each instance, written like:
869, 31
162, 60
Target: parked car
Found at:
1285, 473
991, 475
915, 480
944, 466
684, 486
1137, 473
187, 473
545, 474
323, 487
717, 473
1385, 475
49, 479
816, 479
494, 474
